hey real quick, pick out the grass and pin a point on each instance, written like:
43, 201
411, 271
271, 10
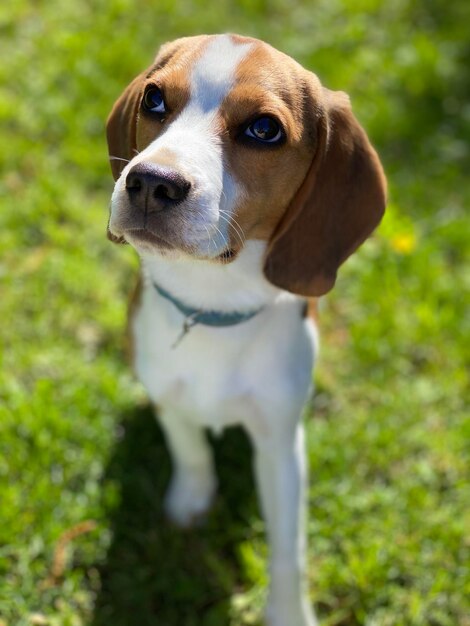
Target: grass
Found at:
388, 429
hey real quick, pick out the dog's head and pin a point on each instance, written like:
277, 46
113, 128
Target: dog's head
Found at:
224, 139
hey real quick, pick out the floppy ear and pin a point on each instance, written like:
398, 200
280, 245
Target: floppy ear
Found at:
121, 129
338, 205
122, 124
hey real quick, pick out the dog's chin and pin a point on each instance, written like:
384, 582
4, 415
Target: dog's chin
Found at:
144, 238
147, 243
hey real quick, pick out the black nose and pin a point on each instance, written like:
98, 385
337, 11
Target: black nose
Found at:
154, 188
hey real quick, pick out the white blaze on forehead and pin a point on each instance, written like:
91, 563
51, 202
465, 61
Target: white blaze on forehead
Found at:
213, 74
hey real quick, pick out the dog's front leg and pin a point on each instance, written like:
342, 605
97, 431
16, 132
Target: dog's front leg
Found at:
281, 469
193, 482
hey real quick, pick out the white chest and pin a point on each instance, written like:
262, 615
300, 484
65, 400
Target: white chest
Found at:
221, 376
218, 376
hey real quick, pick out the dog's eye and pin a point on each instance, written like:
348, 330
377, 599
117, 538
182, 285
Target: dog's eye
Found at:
153, 100
264, 129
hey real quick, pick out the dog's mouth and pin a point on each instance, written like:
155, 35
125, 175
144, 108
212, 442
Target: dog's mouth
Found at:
148, 237
227, 255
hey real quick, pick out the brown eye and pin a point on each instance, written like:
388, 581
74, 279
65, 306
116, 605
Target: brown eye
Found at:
153, 100
264, 129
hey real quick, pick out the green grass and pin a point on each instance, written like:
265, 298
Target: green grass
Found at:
388, 429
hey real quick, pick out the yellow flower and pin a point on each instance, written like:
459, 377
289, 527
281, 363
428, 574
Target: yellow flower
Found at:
404, 243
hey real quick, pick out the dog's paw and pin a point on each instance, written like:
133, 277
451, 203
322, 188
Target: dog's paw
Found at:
189, 497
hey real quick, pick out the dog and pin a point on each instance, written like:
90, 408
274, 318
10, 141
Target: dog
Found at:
243, 184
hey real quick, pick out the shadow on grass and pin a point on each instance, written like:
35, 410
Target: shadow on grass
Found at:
154, 573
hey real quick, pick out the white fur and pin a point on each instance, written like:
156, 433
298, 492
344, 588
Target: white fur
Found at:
235, 362
257, 373
231, 287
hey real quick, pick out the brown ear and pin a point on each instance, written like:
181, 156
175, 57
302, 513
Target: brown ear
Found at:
121, 126
121, 132
338, 205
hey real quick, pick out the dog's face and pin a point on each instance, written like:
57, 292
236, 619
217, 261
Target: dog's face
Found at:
225, 139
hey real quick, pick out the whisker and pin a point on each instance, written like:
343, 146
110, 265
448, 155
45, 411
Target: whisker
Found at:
115, 158
235, 229
211, 239
222, 235
231, 221
239, 230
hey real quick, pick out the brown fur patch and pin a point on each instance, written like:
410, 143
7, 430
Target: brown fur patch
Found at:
311, 310
267, 84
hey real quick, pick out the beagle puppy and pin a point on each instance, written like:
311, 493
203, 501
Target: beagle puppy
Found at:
243, 184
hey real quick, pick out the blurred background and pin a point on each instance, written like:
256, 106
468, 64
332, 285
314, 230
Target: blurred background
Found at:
83, 466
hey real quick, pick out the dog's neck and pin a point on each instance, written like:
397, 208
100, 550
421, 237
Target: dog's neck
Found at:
236, 286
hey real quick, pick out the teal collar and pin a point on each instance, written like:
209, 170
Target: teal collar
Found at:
206, 318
